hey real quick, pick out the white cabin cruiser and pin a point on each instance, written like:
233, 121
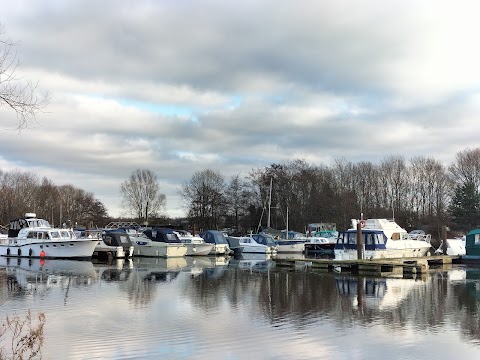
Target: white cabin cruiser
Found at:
157, 243
250, 245
30, 236
194, 243
381, 238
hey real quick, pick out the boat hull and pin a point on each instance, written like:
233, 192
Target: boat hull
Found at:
349, 254
198, 249
291, 248
158, 249
71, 249
220, 249
117, 252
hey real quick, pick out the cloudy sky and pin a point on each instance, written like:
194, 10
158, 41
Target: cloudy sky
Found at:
181, 86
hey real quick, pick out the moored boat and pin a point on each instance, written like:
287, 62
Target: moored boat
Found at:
115, 244
30, 236
381, 238
250, 245
158, 243
194, 243
219, 241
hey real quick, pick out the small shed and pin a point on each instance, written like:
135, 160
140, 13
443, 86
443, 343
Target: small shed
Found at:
472, 244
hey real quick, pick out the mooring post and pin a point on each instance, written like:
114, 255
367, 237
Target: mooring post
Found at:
359, 241
444, 240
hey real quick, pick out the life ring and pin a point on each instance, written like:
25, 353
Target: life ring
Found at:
363, 223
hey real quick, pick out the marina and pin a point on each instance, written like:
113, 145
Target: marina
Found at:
207, 307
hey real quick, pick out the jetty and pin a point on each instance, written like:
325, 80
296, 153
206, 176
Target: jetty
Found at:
379, 267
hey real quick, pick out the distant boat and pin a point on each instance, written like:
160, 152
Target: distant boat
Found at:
381, 238
194, 243
456, 246
114, 243
158, 243
30, 236
250, 245
218, 239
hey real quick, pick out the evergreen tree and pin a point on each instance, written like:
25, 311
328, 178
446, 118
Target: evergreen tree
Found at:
465, 206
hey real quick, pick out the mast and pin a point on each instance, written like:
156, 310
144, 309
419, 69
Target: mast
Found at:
269, 204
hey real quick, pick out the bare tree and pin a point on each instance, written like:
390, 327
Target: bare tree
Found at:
141, 194
16, 93
204, 198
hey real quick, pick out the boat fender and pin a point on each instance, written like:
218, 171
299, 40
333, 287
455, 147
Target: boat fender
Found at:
19, 252
42, 254
8, 251
30, 252
362, 223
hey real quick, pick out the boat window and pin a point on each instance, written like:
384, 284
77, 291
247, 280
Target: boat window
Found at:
477, 239
54, 235
32, 235
65, 234
396, 236
124, 239
379, 239
352, 238
369, 239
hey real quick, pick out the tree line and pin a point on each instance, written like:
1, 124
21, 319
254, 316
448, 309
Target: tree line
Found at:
23, 192
418, 193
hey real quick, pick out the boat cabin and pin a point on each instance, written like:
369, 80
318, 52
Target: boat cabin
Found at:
214, 237
264, 239
371, 239
162, 235
116, 238
30, 220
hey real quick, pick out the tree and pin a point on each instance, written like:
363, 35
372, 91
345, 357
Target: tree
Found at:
18, 94
465, 207
204, 198
141, 194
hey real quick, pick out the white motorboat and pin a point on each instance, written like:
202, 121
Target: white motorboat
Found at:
250, 245
320, 244
30, 236
455, 246
158, 243
267, 240
381, 238
115, 244
194, 243
291, 245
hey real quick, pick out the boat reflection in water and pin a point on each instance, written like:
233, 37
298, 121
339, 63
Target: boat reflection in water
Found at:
158, 269
253, 262
376, 293
40, 275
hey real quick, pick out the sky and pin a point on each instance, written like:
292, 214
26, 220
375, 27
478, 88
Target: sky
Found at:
182, 86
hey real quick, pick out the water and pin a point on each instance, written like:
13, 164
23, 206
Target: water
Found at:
216, 308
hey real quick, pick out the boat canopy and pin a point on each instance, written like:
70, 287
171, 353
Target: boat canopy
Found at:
264, 239
162, 235
16, 225
116, 238
372, 240
214, 237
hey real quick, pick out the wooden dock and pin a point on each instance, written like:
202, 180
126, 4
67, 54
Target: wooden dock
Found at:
395, 266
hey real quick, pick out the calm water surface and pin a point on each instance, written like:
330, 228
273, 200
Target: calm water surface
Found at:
217, 308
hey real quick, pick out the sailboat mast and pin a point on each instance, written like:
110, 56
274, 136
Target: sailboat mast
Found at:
269, 204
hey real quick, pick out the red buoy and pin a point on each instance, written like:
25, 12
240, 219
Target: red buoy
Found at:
42, 254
